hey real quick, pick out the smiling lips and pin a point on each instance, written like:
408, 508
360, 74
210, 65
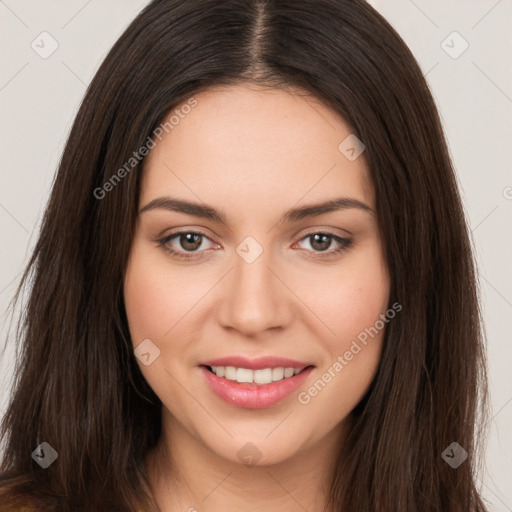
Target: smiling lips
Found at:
254, 383
258, 377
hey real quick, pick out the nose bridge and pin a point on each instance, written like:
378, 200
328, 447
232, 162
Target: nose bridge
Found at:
256, 299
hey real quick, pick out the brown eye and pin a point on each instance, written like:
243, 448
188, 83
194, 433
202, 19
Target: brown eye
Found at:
187, 242
321, 242
190, 241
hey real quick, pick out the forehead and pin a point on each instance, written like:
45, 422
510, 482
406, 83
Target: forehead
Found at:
248, 149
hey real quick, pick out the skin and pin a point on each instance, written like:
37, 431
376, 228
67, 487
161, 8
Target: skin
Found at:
252, 154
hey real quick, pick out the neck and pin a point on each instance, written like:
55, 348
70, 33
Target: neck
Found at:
195, 478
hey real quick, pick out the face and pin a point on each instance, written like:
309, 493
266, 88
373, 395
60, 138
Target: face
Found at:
224, 296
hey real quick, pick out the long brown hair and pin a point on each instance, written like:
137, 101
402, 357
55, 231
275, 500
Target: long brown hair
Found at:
77, 384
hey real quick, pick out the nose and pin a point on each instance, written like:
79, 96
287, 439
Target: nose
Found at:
255, 297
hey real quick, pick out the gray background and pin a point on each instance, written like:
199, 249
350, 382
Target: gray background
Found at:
39, 98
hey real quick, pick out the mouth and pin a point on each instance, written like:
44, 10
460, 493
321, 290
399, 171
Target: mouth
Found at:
259, 377
255, 388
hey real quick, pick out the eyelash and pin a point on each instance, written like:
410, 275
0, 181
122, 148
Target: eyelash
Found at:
345, 243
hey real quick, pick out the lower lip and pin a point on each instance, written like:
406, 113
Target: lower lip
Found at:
254, 396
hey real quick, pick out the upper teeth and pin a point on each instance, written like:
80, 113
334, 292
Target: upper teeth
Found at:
264, 376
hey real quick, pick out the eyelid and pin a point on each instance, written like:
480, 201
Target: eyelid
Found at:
326, 230
175, 234
306, 232
343, 243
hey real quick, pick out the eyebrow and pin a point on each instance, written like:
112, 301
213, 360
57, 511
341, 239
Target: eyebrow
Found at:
293, 215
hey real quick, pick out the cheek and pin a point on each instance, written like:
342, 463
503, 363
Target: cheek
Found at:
156, 299
353, 297
353, 304
159, 307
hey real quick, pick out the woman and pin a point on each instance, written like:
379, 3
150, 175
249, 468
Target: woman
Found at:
253, 287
